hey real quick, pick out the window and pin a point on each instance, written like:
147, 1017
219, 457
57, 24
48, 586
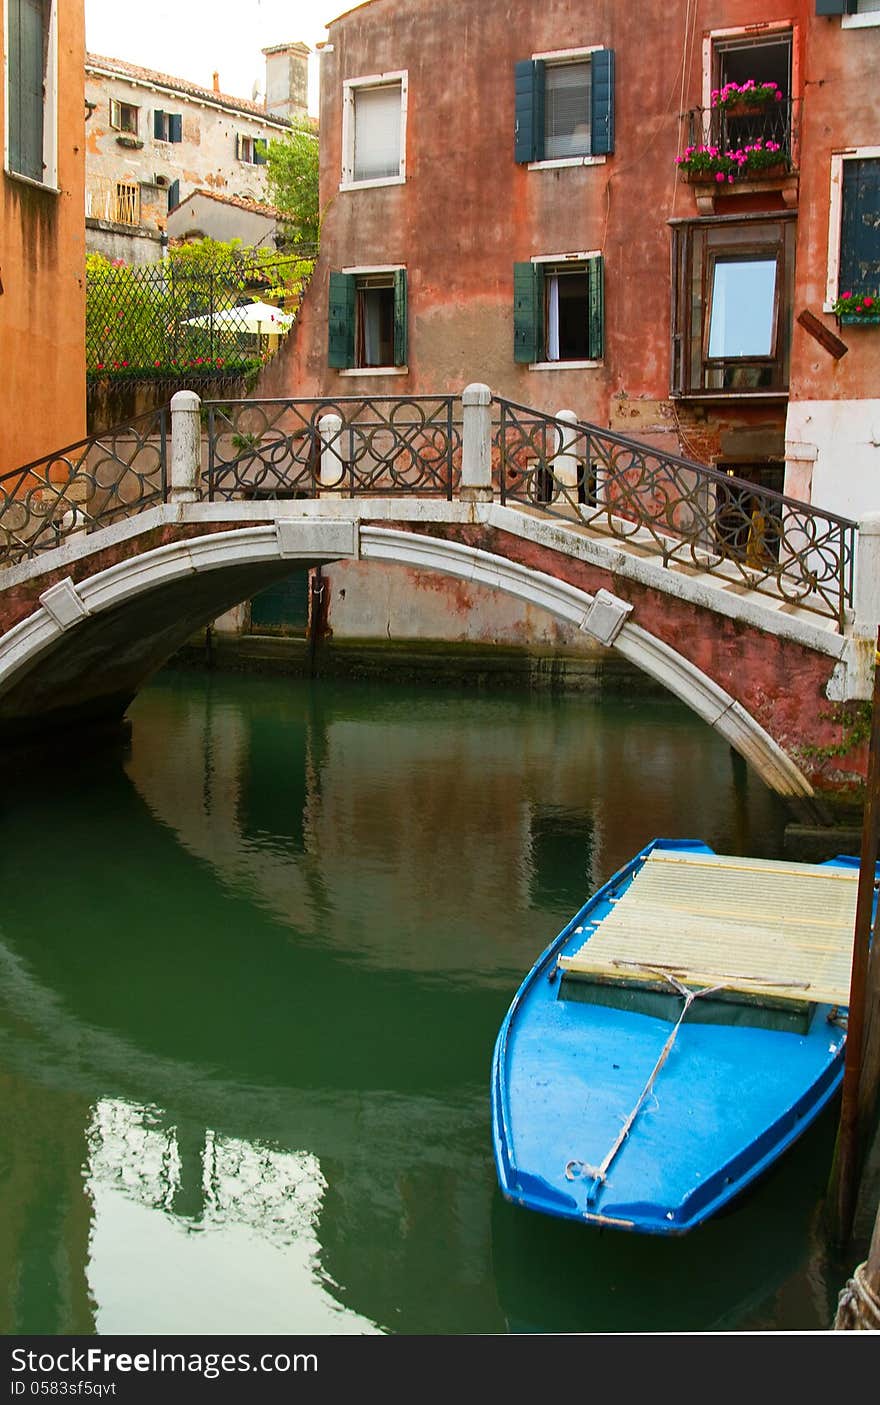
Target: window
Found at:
367, 319
31, 90
374, 130
564, 107
767, 59
251, 150
124, 117
127, 203
855, 14
732, 304
853, 246
558, 316
167, 126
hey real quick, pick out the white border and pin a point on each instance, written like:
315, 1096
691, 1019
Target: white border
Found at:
865, 21
835, 212
393, 78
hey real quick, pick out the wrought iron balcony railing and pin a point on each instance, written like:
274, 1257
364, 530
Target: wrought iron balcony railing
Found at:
773, 127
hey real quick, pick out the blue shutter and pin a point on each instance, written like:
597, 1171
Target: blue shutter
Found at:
174, 195
832, 7
529, 110
175, 123
602, 102
859, 225
159, 124
400, 317
340, 321
528, 312
596, 308
25, 88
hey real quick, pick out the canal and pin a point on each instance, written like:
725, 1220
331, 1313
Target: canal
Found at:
252, 968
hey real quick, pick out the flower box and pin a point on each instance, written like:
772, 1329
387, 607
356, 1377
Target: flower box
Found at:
737, 99
856, 319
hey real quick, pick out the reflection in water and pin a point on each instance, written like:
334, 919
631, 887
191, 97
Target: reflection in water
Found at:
254, 1054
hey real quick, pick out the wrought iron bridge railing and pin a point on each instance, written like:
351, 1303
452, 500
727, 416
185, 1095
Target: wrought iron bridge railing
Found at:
697, 519
350, 446
694, 519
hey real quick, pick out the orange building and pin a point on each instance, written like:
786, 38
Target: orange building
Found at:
42, 229
505, 201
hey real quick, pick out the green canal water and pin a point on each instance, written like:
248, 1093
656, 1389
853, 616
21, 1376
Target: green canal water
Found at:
251, 974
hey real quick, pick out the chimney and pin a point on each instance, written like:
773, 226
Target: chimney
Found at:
287, 79
216, 82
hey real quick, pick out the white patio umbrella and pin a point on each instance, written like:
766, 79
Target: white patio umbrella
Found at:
258, 317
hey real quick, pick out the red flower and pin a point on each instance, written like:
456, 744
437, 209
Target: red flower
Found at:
867, 302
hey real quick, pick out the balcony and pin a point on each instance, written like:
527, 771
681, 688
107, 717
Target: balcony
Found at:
740, 149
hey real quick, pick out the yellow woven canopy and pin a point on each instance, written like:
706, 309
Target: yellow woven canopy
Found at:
770, 928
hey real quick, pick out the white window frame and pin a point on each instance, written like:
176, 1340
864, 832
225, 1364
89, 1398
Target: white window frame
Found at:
562, 56
567, 258
865, 21
395, 78
756, 32
368, 271
835, 215
50, 106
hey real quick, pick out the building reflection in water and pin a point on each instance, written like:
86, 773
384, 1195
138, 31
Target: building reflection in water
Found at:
293, 923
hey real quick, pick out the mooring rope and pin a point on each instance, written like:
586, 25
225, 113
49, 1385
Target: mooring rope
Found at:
858, 1307
576, 1170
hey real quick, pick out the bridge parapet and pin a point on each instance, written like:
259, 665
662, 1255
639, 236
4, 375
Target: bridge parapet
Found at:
691, 518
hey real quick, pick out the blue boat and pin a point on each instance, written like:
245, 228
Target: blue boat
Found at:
682, 1031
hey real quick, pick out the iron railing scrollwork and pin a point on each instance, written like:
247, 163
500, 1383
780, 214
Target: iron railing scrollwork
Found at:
697, 519
351, 446
89, 484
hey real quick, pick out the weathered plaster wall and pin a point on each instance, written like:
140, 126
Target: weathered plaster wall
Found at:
42, 280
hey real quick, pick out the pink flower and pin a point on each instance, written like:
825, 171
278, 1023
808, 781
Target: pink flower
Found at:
867, 302
719, 175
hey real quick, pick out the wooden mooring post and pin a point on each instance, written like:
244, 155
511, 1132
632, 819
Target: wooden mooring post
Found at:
861, 1077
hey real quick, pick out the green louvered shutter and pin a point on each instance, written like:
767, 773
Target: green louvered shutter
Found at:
860, 221
174, 195
529, 110
528, 310
175, 124
602, 102
261, 150
340, 321
25, 88
159, 124
833, 7
596, 308
400, 317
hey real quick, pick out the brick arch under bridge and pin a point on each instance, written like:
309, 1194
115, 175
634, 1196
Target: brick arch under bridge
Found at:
86, 625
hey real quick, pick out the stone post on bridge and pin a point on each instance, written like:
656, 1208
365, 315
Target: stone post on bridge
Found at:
332, 471
186, 446
564, 464
867, 592
476, 444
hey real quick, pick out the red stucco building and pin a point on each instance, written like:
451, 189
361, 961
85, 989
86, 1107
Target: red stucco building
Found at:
42, 231
503, 202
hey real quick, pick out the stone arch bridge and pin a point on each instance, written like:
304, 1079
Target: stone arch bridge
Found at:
758, 612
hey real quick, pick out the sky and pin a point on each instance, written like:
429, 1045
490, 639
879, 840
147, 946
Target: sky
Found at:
194, 38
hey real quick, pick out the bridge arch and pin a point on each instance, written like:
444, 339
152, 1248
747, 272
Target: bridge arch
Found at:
90, 643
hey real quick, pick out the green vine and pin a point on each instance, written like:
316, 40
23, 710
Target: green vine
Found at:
854, 719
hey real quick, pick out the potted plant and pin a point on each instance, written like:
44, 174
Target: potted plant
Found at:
739, 99
710, 163
852, 308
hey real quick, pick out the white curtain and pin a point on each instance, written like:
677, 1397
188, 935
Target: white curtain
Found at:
372, 327
553, 317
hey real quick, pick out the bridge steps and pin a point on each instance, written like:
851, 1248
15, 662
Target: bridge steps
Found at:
721, 581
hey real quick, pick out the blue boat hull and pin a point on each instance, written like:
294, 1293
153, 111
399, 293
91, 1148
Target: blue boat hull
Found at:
567, 1074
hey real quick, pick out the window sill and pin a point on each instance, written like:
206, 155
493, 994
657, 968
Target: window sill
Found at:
564, 365
726, 395
372, 185
375, 371
559, 162
865, 21
29, 180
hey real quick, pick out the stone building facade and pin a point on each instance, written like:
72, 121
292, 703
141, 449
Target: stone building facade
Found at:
153, 139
